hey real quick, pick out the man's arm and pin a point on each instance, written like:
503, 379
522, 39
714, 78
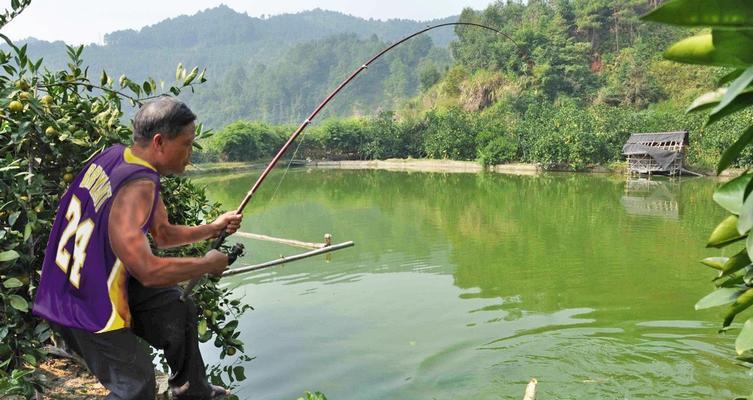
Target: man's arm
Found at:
167, 235
128, 214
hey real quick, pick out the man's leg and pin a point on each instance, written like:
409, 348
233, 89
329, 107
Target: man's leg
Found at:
117, 358
169, 324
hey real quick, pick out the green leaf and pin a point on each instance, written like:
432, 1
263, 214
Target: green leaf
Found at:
730, 77
730, 195
734, 89
103, 79
19, 303
720, 47
191, 76
744, 341
12, 283
239, 373
13, 218
706, 100
230, 326
715, 262
27, 232
719, 297
725, 233
735, 263
729, 13
134, 87
29, 359
733, 281
742, 101
742, 302
745, 222
179, 71
8, 255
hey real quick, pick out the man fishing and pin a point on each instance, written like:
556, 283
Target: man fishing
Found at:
102, 287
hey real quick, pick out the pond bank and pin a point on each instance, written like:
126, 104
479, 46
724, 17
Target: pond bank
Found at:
431, 165
408, 164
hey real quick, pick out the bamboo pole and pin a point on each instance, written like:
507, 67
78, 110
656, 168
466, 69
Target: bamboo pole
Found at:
291, 242
283, 260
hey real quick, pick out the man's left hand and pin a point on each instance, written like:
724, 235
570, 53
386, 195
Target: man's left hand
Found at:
229, 222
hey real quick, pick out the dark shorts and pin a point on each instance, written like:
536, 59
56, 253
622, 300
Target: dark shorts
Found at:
120, 359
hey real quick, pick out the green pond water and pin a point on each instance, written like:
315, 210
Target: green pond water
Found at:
465, 286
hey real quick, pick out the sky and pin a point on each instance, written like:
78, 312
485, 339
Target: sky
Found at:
87, 21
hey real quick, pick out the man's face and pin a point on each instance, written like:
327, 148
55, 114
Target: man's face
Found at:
176, 153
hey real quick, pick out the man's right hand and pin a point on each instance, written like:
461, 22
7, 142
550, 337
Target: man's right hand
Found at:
216, 262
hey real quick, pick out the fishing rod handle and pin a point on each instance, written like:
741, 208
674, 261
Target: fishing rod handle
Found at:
220, 239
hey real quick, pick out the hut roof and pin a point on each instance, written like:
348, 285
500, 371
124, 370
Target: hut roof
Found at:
658, 137
651, 144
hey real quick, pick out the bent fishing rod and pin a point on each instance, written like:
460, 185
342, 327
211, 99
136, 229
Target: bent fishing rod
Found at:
237, 250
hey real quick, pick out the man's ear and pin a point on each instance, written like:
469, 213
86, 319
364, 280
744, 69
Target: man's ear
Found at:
158, 141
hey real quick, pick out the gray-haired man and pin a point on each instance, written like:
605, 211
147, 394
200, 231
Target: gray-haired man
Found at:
101, 286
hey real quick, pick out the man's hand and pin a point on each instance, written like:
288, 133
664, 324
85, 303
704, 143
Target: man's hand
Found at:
216, 261
229, 221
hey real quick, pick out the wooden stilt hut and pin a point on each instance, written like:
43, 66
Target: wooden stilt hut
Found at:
651, 153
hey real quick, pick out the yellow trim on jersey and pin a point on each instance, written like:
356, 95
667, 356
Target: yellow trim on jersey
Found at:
134, 159
118, 301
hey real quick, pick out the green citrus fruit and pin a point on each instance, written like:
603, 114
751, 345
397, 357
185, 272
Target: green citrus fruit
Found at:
68, 177
24, 95
46, 99
24, 198
51, 131
230, 351
22, 84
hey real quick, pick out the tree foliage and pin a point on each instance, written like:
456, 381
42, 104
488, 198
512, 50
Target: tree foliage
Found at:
725, 44
51, 123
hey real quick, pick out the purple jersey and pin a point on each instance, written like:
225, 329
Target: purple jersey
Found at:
83, 283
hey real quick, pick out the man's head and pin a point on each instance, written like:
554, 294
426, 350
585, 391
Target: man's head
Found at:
165, 128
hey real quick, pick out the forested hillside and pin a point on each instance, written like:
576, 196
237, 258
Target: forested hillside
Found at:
275, 68
576, 79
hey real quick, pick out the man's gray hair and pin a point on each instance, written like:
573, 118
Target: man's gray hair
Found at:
166, 115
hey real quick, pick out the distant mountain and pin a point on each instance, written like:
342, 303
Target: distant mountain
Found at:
265, 60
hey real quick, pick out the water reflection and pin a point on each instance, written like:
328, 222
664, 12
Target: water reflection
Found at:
656, 198
467, 285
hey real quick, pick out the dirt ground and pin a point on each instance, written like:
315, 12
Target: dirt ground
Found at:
67, 380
